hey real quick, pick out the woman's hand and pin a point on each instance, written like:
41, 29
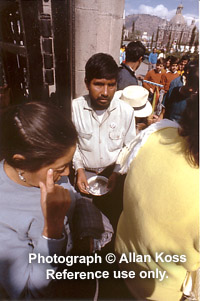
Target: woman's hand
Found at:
55, 201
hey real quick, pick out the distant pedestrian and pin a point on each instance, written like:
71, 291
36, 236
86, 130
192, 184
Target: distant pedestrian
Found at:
122, 55
167, 63
153, 56
162, 54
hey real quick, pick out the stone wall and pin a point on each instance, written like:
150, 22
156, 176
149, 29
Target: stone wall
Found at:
98, 28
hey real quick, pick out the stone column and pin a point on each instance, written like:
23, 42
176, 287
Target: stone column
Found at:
98, 28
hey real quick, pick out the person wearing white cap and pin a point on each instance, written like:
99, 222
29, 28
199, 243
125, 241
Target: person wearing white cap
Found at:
137, 97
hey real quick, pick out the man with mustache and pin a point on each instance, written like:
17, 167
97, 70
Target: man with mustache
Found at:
105, 124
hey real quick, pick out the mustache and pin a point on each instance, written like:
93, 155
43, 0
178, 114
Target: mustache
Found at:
103, 98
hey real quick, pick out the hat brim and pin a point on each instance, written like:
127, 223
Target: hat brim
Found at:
145, 112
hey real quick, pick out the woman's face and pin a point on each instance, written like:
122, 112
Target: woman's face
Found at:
60, 168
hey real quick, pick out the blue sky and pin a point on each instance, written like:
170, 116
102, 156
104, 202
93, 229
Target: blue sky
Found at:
163, 8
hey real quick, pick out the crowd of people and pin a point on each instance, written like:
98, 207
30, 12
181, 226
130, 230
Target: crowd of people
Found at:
144, 140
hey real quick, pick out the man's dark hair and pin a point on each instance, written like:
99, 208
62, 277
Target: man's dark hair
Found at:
168, 58
191, 67
174, 60
40, 132
185, 57
134, 51
160, 61
101, 65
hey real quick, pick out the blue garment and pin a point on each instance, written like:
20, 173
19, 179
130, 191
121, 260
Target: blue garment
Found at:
175, 105
153, 58
122, 56
126, 77
177, 82
21, 226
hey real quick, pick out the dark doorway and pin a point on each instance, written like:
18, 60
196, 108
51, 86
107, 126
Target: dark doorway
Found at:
36, 42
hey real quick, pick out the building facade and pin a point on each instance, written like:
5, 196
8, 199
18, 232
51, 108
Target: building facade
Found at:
177, 32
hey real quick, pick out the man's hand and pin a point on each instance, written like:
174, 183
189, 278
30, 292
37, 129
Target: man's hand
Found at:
140, 77
112, 181
55, 201
152, 119
81, 181
161, 114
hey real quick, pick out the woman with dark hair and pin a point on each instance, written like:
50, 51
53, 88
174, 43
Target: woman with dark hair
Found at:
34, 135
37, 143
159, 225
167, 62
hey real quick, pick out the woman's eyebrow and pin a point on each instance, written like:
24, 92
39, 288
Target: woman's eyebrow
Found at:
62, 166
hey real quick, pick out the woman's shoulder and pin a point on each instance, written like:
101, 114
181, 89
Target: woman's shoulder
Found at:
130, 152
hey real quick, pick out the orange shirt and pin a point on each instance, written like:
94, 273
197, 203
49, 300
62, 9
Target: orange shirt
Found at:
166, 79
152, 76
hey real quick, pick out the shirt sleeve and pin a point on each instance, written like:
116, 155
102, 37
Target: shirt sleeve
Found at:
129, 137
77, 159
21, 277
145, 85
131, 132
163, 81
150, 58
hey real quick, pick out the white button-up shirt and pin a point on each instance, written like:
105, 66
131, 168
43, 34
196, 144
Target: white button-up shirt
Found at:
99, 143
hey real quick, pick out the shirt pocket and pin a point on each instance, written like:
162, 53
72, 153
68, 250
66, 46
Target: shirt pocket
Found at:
85, 141
115, 140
